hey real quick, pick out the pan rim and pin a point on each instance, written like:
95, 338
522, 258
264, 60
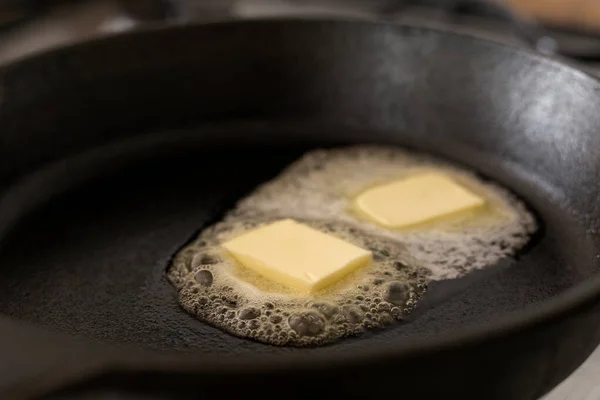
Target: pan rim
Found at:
578, 297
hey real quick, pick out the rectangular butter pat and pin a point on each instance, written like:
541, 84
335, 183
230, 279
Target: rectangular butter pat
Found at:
296, 255
414, 200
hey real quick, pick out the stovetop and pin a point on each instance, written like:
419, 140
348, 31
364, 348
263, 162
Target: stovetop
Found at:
31, 25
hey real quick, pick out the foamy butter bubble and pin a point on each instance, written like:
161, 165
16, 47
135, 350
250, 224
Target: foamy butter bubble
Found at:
317, 190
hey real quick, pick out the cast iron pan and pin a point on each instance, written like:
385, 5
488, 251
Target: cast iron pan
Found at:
115, 152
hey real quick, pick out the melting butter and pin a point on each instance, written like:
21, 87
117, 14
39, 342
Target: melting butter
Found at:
318, 191
414, 200
296, 255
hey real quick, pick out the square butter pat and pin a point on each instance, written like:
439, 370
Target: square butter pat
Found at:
296, 255
416, 199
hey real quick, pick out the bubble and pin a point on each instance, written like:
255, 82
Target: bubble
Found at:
379, 255
385, 318
327, 309
249, 313
253, 324
215, 289
229, 302
399, 265
203, 259
396, 293
353, 314
308, 323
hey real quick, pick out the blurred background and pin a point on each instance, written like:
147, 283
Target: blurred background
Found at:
569, 28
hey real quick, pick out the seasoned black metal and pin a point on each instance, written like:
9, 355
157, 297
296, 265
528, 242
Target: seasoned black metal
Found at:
115, 152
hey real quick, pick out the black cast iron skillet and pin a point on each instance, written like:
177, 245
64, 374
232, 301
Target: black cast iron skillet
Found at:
115, 152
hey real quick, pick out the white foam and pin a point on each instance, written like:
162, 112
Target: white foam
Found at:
316, 190
322, 184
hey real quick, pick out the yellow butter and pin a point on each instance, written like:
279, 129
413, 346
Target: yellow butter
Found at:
414, 200
296, 255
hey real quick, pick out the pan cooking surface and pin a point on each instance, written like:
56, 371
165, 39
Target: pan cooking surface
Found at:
92, 260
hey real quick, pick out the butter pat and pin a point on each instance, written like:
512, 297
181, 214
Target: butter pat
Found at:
414, 200
296, 255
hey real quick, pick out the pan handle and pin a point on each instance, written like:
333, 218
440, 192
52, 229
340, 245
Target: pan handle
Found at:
35, 360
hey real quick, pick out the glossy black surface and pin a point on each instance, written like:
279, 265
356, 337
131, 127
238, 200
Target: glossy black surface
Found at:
137, 141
